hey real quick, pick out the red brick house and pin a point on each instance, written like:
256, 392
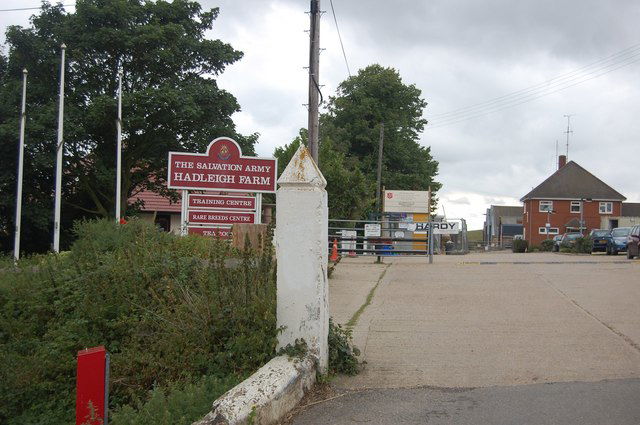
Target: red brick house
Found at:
568, 196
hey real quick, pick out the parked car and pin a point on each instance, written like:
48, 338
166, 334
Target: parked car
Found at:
633, 242
569, 239
601, 240
618, 240
556, 243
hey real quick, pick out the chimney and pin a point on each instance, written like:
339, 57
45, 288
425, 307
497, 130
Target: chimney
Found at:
562, 161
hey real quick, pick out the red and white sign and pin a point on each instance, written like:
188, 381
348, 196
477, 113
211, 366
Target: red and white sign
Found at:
220, 217
211, 232
222, 202
222, 167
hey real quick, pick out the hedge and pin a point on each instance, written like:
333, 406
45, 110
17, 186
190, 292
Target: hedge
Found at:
183, 318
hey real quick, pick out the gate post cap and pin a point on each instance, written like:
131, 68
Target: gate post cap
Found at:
302, 170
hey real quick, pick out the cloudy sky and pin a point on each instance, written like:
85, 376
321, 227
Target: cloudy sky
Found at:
499, 76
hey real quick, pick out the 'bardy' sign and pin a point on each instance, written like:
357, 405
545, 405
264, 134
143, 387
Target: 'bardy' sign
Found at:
222, 167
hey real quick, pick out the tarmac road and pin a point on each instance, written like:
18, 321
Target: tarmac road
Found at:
615, 402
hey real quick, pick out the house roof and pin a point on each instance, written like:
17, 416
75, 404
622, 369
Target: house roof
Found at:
155, 202
574, 222
573, 182
507, 211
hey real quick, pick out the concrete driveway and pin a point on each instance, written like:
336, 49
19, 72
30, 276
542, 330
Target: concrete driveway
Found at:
483, 322
492, 319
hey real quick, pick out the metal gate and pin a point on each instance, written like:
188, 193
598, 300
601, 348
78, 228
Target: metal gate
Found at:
393, 237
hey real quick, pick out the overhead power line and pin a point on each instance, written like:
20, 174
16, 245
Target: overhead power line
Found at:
344, 54
29, 8
616, 56
596, 69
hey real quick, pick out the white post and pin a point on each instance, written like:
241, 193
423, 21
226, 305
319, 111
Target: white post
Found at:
58, 194
258, 219
301, 250
184, 213
119, 148
23, 123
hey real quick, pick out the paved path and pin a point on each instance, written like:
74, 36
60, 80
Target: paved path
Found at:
498, 321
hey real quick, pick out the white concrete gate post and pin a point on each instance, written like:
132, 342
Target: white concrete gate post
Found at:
302, 253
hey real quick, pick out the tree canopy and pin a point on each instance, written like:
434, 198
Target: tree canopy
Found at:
349, 140
171, 101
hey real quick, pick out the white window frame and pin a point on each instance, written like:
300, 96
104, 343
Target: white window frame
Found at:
605, 208
548, 204
552, 231
574, 204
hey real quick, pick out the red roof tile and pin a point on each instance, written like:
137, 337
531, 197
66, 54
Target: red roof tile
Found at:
155, 202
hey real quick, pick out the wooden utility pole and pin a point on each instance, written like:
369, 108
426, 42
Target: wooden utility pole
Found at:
380, 149
314, 79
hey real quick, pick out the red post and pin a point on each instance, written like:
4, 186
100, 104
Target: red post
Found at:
92, 386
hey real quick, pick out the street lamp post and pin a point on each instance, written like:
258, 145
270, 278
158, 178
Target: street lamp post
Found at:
548, 226
582, 200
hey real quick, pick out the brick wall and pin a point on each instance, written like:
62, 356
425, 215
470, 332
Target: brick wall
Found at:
533, 219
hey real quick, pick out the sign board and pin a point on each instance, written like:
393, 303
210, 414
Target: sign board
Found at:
372, 230
439, 228
211, 232
407, 201
220, 217
347, 244
446, 228
222, 167
222, 202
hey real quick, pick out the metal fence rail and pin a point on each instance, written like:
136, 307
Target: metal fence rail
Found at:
388, 237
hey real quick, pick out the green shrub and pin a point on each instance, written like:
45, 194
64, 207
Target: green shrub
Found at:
547, 245
169, 310
342, 354
583, 245
178, 404
520, 245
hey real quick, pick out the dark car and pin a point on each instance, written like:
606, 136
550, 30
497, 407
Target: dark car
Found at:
569, 239
633, 242
618, 240
601, 239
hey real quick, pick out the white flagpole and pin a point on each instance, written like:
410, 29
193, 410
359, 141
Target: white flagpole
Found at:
58, 194
23, 123
119, 148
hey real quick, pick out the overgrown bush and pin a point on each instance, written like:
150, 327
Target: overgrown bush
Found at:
170, 310
342, 354
520, 245
547, 245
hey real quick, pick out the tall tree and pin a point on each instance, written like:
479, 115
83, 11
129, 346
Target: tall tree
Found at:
348, 189
362, 103
171, 102
350, 138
